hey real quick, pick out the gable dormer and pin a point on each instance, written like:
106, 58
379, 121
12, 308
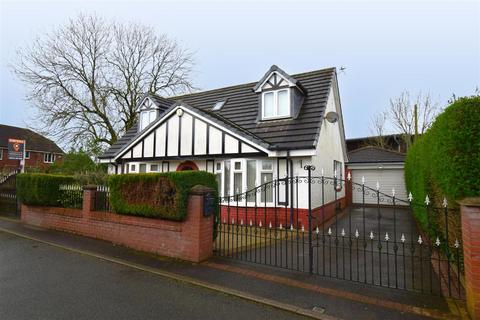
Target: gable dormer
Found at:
280, 95
148, 112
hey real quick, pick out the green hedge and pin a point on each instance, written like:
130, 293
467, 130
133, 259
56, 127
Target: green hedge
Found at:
41, 189
171, 195
445, 161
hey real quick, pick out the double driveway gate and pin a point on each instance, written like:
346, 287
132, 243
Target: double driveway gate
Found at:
316, 231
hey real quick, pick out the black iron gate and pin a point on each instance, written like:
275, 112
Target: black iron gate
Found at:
316, 232
8, 195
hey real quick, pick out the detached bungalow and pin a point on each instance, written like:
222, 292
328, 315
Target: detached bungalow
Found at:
247, 135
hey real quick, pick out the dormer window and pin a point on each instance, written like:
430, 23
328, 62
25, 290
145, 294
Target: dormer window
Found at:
148, 113
276, 104
147, 117
280, 95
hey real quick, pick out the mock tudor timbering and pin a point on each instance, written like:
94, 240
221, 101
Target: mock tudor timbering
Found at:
247, 135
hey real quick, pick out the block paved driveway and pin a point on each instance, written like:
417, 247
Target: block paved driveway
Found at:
38, 281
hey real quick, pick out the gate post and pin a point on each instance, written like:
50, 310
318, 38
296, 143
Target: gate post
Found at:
470, 215
310, 168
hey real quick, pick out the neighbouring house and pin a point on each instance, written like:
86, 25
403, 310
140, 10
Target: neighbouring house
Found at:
247, 135
371, 165
40, 152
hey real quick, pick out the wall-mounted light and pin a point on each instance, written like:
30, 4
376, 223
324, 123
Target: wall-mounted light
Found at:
179, 112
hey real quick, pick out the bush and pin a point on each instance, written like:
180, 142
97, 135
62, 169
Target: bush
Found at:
162, 195
445, 161
41, 189
73, 162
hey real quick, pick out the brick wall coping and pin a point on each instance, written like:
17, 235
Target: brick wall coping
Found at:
470, 202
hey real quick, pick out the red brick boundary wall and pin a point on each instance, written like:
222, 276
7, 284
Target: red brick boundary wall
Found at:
470, 211
191, 239
279, 215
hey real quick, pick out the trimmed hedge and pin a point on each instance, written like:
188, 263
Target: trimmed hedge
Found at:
445, 161
162, 195
41, 189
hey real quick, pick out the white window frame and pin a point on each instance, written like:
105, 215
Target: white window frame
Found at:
258, 174
150, 116
338, 174
275, 104
154, 164
47, 159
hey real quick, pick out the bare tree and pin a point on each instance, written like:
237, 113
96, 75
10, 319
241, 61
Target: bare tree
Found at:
378, 129
406, 116
86, 78
412, 117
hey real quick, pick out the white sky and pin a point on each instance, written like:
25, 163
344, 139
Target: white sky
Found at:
386, 46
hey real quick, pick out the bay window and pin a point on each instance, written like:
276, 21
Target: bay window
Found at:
226, 178
276, 104
237, 176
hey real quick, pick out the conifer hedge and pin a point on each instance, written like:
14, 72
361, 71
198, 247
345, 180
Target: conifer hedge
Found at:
445, 161
161, 195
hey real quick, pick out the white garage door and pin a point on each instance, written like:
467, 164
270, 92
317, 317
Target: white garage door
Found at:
387, 178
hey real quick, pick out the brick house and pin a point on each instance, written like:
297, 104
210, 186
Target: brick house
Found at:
40, 152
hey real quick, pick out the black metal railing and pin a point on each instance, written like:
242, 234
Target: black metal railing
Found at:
102, 199
313, 231
71, 196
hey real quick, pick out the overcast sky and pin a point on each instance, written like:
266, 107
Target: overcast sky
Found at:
386, 47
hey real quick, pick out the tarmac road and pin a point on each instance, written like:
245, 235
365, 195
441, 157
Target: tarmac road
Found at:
38, 281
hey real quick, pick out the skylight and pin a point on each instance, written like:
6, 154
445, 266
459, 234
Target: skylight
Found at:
218, 105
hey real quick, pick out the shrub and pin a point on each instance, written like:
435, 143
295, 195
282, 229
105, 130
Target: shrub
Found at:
162, 195
445, 161
41, 189
73, 162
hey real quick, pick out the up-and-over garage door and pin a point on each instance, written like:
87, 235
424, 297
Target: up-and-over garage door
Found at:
387, 179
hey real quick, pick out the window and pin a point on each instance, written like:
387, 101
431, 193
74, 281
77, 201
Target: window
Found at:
143, 168
147, 117
251, 179
218, 176
276, 104
266, 176
132, 168
226, 178
154, 167
218, 106
1, 154
27, 155
338, 171
237, 178
48, 157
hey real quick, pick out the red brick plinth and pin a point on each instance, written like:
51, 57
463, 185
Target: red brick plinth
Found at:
470, 210
191, 239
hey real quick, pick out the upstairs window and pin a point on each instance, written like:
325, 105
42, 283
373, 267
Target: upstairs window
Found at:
276, 104
147, 117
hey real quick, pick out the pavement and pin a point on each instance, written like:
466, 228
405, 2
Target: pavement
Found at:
54, 275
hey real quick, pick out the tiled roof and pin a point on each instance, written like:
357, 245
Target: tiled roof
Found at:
371, 154
242, 107
34, 141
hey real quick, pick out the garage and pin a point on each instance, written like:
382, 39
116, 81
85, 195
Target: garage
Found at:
372, 165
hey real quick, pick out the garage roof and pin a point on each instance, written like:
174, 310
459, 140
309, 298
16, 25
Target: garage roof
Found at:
372, 154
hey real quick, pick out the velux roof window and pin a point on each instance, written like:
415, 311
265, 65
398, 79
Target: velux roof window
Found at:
219, 105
